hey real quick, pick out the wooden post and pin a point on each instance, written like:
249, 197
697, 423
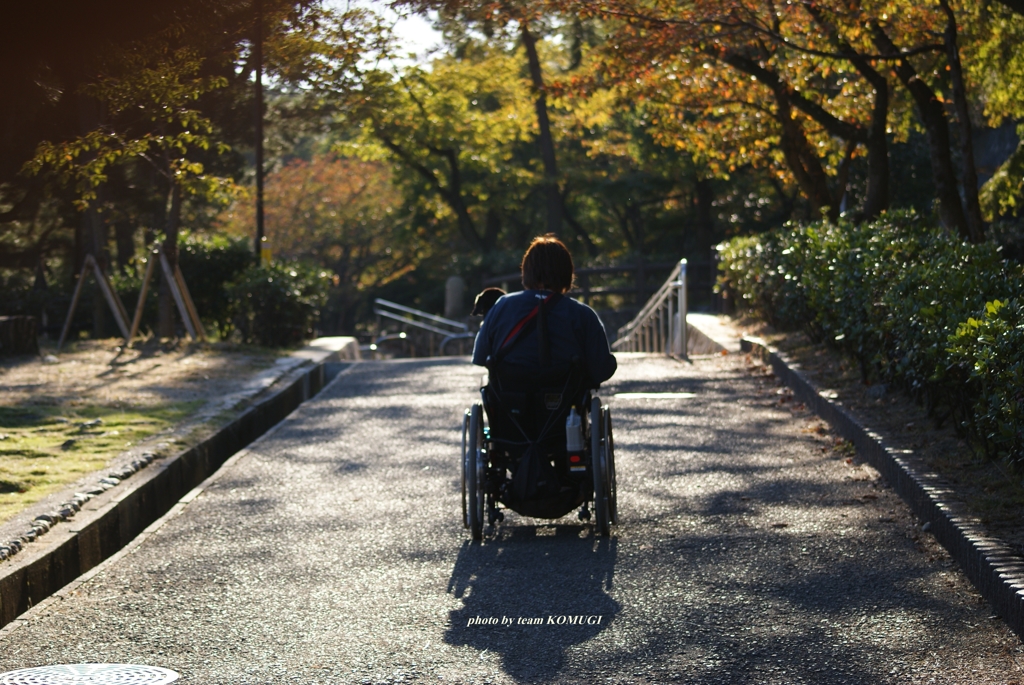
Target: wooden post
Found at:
113, 301
172, 283
109, 294
189, 304
137, 319
72, 308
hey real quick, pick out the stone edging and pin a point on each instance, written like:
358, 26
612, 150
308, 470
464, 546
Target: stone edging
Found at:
65, 511
996, 570
107, 517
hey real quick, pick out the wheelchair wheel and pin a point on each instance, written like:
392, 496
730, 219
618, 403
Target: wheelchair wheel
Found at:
609, 442
599, 468
473, 464
465, 437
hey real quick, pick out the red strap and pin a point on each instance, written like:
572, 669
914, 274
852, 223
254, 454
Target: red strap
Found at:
522, 322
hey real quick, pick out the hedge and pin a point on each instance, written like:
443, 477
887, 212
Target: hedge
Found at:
917, 308
278, 305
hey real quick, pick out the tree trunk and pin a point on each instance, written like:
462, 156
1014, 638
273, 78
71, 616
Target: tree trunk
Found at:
636, 217
704, 197
258, 104
96, 245
843, 176
933, 116
79, 251
877, 200
165, 317
547, 144
451, 194
124, 236
975, 224
876, 141
801, 158
578, 229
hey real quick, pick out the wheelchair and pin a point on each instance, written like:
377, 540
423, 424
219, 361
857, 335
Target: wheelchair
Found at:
515, 455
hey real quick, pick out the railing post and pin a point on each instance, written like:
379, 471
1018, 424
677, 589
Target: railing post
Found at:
670, 344
661, 329
683, 308
680, 337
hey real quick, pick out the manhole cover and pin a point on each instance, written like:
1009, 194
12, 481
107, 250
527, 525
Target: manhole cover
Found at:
100, 674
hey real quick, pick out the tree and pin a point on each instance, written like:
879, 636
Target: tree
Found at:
63, 73
994, 67
149, 115
719, 60
522, 19
343, 215
454, 128
825, 67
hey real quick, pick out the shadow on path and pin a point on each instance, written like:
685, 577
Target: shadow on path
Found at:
533, 572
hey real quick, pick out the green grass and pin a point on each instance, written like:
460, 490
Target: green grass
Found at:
43, 447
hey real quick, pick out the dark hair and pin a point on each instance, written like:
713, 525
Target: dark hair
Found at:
485, 300
547, 264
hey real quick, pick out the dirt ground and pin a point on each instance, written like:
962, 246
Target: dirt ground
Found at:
101, 372
993, 494
62, 417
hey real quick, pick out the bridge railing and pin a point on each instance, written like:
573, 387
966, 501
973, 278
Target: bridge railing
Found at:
447, 329
591, 282
661, 324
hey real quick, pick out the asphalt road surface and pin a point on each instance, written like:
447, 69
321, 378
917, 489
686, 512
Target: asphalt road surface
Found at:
748, 551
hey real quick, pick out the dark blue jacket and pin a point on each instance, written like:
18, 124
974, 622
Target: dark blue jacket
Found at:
574, 330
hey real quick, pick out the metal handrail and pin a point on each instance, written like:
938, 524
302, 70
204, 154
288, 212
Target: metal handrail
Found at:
416, 312
456, 330
661, 324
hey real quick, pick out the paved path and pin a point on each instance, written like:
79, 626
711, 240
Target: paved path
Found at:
333, 552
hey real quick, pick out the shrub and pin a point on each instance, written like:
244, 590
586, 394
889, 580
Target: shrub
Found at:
923, 307
278, 305
987, 356
765, 275
209, 264
893, 294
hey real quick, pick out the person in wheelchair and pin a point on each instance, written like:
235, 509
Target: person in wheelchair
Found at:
544, 353
574, 329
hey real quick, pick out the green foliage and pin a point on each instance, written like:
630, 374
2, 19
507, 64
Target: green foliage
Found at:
19, 295
892, 294
923, 303
995, 64
987, 355
152, 115
278, 305
765, 275
209, 264
1004, 192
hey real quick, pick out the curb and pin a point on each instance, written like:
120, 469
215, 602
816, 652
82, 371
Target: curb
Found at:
109, 522
707, 335
995, 568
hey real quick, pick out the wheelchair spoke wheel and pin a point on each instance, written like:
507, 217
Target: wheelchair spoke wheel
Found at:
465, 461
599, 468
475, 466
609, 446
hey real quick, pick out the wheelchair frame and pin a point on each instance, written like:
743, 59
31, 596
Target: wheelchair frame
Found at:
482, 479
